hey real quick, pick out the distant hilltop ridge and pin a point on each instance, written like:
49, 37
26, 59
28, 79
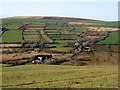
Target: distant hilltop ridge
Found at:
49, 17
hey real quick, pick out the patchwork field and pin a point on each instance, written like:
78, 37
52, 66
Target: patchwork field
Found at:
59, 76
84, 52
53, 30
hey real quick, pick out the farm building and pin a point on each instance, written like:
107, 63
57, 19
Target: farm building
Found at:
39, 59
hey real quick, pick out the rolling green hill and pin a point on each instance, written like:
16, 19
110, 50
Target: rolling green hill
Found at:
52, 30
57, 37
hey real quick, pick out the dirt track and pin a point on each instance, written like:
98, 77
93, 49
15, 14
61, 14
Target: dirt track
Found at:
84, 23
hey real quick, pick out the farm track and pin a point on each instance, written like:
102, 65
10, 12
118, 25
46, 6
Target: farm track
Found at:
60, 80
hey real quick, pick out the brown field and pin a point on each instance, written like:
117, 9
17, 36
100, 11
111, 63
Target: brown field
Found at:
102, 29
84, 23
10, 45
93, 36
100, 56
29, 54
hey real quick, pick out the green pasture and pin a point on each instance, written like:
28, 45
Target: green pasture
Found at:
39, 34
45, 36
31, 35
78, 29
30, 32
57, 37
61, 48
31, 20
1, 33
60, 76
35, 25
12, 36
13, 26
54, 26
31, 38
111, 39
57, 45
52, 31
65, 41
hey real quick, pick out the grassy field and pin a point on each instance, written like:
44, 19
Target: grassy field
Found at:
13, 26
112, 39
58, 37
59, 46
62, 48
42, 32
31, 38
31, 35
49, 30
60, 76
12, 36
64, 34
28, 20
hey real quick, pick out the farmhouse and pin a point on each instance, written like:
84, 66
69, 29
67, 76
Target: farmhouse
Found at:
38, 59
